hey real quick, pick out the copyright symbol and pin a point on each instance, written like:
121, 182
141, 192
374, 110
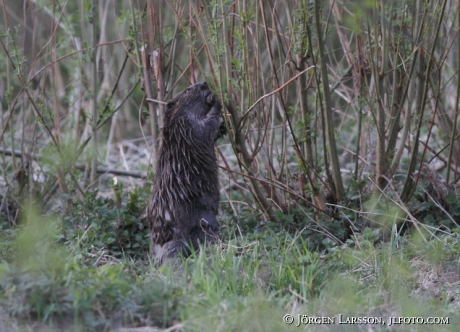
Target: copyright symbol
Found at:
288, 319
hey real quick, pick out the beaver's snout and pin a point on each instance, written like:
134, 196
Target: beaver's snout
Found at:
203, 86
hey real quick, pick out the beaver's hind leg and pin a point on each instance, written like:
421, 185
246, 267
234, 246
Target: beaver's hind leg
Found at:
205, 232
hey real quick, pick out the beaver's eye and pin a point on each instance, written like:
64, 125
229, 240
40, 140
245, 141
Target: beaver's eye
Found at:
187, 90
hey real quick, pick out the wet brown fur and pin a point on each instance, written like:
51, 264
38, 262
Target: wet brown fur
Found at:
183, 207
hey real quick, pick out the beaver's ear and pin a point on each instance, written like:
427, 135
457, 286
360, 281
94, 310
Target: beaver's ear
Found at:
210, 99
169, 106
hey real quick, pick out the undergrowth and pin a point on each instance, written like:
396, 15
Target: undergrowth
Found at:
81, 272
115, 226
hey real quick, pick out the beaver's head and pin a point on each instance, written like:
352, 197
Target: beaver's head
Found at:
196, 108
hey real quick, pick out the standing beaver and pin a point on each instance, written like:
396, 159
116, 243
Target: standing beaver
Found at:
183, 207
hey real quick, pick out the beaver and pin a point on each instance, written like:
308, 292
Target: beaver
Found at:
184, 203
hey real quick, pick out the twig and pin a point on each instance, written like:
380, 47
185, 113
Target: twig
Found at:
156, 101
271, 93
99, 170
274, 184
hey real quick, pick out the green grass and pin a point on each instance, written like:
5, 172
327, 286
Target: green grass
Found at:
247, 283
73, 273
